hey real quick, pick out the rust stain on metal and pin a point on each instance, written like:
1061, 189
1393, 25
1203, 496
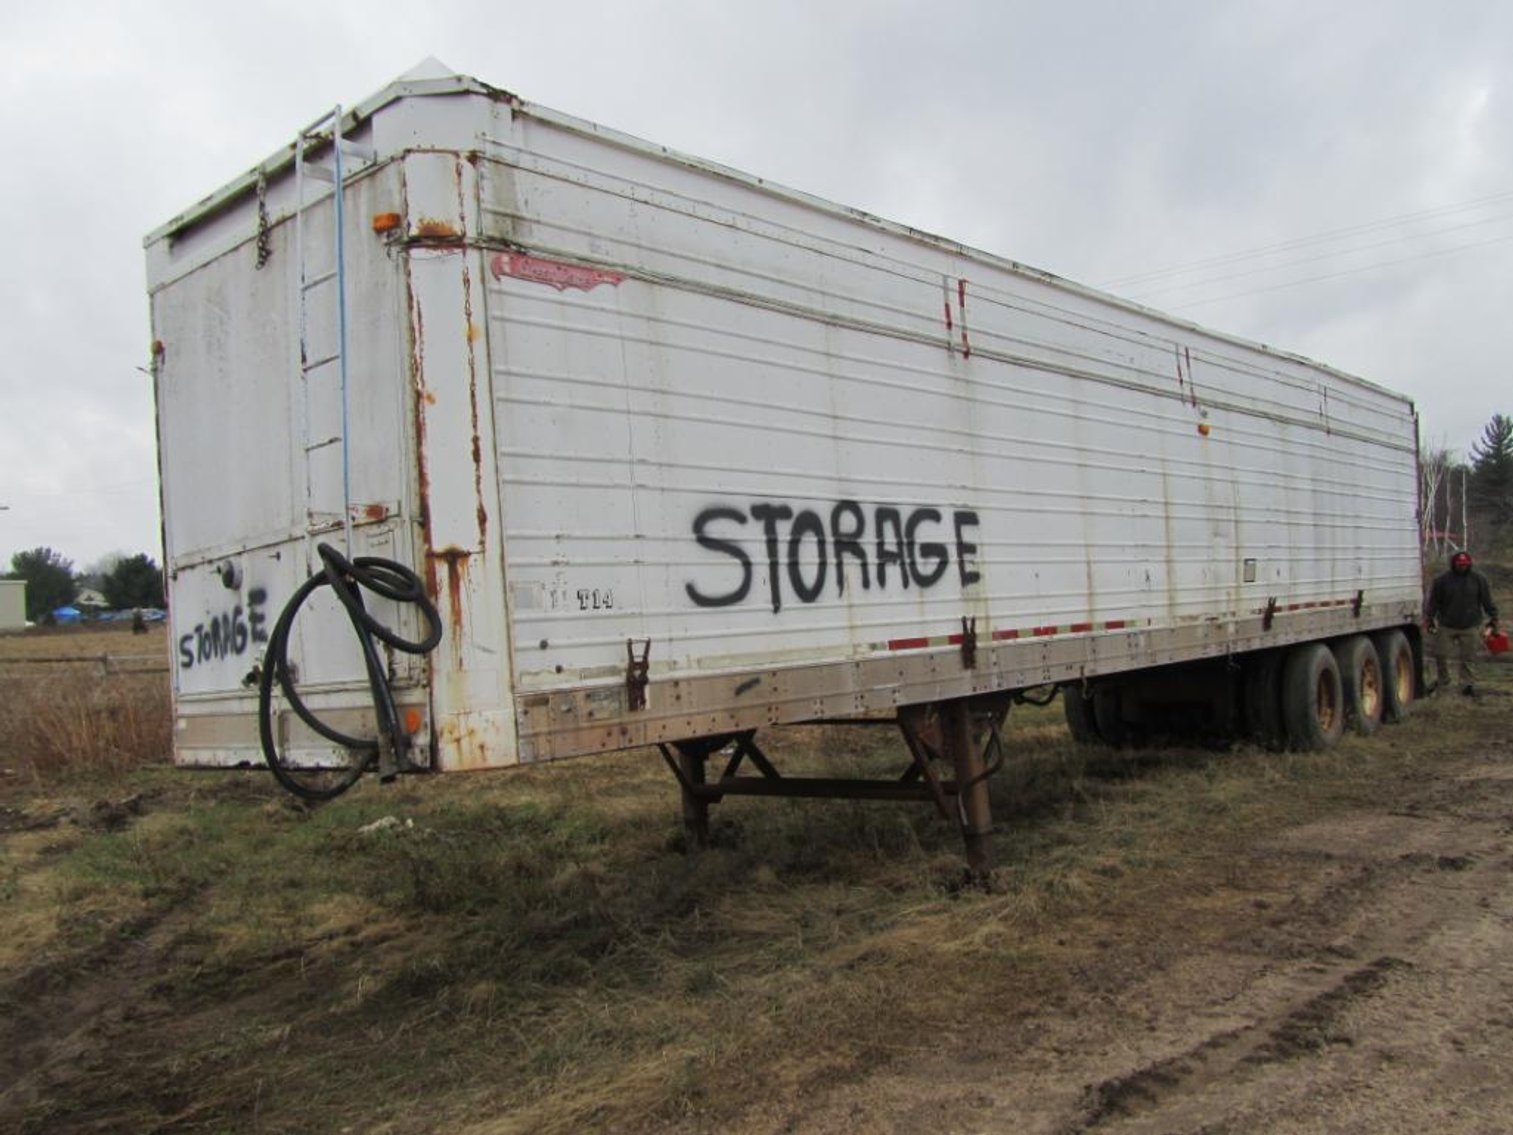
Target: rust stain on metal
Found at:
375, 511
961, 310
422, 479
945, 303
456, 561
482, 511
431, 228
423, 398
508, 98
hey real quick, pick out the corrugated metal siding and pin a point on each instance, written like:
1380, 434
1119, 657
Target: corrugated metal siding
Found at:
760, 354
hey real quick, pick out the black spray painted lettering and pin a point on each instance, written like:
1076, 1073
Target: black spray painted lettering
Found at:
728, 547
899, 549
226, 635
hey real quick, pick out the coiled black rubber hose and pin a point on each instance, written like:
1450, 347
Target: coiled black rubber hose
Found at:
347, 578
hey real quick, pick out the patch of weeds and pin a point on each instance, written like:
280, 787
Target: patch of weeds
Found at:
165, 859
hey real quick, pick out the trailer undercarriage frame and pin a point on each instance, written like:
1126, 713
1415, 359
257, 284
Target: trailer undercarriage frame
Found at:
963, 734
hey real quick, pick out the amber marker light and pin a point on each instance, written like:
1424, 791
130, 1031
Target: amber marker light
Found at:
412, 721
386, 222
1203, 428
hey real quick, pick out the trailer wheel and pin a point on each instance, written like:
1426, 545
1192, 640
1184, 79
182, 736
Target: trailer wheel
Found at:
1313, 706
1079, 714
1361, 683
1108, 716
1395, 653
1263, 700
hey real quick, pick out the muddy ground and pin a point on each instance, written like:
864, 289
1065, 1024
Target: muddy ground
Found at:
1364, 983
1345, 965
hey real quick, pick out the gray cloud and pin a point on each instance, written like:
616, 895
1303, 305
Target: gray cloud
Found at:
1096, 140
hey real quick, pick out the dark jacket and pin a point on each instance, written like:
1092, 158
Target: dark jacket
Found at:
1457, 601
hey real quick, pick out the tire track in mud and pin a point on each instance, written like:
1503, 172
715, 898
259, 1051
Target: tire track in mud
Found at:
1424, 893
1302, 1030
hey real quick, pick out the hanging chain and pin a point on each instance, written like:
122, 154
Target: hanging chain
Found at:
264, 230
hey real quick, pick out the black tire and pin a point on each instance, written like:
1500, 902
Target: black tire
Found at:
1313, 703
1361, 683
1263, 700
1399, 677
1079, 714
1108, 715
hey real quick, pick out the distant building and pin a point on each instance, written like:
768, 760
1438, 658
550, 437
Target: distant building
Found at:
90, 601
12, 604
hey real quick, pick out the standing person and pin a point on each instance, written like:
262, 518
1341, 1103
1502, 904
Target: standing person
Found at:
1457, 601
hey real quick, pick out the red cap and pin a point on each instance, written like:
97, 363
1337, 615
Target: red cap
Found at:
1461, 559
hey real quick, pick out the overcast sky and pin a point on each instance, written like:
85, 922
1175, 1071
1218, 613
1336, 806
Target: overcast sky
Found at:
1365, 146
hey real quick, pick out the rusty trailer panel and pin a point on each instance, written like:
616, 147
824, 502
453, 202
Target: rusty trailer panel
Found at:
679, 454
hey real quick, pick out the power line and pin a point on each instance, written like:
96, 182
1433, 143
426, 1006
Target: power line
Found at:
1294, 263
1346, 272
114, 490
1305, 241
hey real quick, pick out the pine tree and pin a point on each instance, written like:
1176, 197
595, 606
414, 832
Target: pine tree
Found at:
1492, 469
133, 581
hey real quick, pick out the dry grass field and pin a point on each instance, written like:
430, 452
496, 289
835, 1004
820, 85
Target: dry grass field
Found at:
1175, 941
82, 698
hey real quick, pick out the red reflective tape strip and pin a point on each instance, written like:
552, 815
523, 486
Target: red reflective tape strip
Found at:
907, 643
1080, 628
999, 636
1042, 630
552, 272
1115, 625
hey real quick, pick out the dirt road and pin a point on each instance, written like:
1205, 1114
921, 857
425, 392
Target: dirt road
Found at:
1365, 986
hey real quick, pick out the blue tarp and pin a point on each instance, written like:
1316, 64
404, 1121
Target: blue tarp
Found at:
66, 615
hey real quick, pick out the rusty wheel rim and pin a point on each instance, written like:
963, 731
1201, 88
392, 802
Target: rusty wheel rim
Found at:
1371, 690
1326, 702
1403, 677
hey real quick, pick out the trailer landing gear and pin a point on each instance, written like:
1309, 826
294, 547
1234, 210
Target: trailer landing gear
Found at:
963, 733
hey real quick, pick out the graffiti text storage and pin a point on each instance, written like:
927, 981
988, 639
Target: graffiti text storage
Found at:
805, 547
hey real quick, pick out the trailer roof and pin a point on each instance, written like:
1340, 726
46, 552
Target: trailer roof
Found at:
431, 78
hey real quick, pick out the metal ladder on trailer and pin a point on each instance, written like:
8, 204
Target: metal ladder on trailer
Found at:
323, 370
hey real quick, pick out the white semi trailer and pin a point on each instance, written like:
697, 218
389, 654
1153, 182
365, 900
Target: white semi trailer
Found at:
674, 454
